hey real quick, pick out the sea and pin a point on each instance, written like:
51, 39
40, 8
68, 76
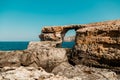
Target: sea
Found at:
20, 45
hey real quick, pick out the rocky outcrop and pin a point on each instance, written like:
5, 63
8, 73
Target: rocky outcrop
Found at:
39, 54
11, 58
33, 45
70, 73
84, 72
28, 73
45, 57
56, 33
98, 45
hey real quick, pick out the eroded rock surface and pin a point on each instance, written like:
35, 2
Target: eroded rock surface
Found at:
28, 73
39, 54
69, 73
56, 33
84, 72
98, 46
11, 58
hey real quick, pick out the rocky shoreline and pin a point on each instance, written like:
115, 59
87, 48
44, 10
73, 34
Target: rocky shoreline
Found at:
95, 55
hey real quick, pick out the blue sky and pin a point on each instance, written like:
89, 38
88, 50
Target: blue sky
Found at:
22, 20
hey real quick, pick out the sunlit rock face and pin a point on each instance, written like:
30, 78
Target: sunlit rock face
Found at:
56, 33
98, 44
84, 72
39, 54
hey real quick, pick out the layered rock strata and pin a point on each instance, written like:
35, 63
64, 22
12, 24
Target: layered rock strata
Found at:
97, 44
56, 33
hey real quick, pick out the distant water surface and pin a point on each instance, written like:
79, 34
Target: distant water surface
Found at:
68, 44
8, 46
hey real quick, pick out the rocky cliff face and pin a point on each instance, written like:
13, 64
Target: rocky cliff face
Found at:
97, 44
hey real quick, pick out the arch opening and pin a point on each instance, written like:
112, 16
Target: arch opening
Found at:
69, 39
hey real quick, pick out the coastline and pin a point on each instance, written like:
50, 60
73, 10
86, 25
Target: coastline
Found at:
94, 56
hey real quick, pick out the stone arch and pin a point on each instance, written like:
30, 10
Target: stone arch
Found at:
56, 33
66, 30
69, 39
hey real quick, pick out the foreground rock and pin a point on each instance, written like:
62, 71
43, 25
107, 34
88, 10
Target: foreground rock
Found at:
68, 73
11, 58
38, 54
84, 72
27, 73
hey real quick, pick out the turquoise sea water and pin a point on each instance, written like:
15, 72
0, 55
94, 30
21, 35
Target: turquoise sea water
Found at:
8, 46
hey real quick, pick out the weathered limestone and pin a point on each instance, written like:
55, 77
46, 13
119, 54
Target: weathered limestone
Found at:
98, 45
56, 33
10, 58
70, 73
45, 57
39, 54
84, 72
43, 44
28, 73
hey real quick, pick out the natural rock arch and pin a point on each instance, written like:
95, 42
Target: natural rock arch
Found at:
66, 30
56, 33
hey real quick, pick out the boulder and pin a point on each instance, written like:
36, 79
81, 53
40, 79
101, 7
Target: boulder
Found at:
47, 58
43, 54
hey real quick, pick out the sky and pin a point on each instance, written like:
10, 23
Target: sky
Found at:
22, 20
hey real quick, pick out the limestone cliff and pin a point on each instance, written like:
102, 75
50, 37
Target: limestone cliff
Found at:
56, 33
96, 44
